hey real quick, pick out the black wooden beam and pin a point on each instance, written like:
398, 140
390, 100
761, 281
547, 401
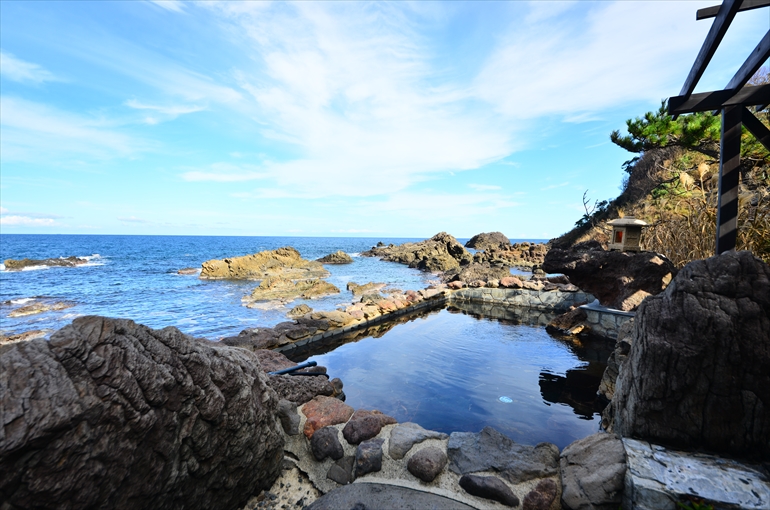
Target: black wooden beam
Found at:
717, 100
729, 161
757, 57
725, 16
710, 12
756, 128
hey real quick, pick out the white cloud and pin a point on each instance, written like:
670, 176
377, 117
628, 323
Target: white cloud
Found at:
26, 221
3, 210
172, 110
18, 70
224, 172
170, 5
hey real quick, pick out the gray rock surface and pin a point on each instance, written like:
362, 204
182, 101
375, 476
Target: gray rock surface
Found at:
325, 443
342, 470
592, 473
369, 457
112, 414
427, 463
619, 280
698, 371
616, 360
406, 435
489, 450
371, 496
489, 487
287, 413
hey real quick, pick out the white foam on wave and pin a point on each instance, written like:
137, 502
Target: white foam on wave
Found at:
91, 257
68, 316
91, 264
35, 268
22, 301
357, 254
2, 266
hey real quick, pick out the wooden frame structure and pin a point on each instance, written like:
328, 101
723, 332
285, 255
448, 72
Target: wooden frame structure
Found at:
732, 101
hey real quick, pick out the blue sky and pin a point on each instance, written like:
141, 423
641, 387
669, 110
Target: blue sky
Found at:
332, 119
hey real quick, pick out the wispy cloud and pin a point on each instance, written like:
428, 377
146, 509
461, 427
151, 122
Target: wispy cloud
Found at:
16, 69
168, 112
170, 5
12, 220
224, 172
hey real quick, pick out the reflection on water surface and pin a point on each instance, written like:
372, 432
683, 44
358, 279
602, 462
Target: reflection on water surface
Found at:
461, 369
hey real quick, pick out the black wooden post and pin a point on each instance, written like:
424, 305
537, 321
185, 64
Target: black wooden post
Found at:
729, 161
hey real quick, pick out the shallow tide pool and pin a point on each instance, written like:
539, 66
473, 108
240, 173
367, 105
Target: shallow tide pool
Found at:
454, 371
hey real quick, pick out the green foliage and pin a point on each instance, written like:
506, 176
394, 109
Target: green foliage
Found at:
697, 131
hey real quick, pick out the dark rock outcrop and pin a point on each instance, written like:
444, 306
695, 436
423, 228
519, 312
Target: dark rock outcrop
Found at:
488, 240
18, 265
619, 280
698, 371
439, 253
489, 487
616, 359
592, 473
489, 450
325, 443
112, 414
369, 457
338, 257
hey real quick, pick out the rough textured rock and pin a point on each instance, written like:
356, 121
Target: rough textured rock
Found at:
18, 265
523, 255
342, 470
284, 262
489, 450
488, 240
439, 253
406, 435
338, 257
619, 280
299, 311
476, 271
542, 496
365, 425
427, 463
489, 487
698, 371
369, 457
278, 288
23, 337
569, 323
323, 411
325, 443
592, 473
297, 389
39, 307
367, 288
109, 413
287, 413
616, 360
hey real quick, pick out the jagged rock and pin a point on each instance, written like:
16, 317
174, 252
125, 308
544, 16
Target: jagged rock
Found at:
253, 339
338, 257
369, 457
523, 255
342, 470
287, 413
476, 271
18, 265
439, 253
427, 463
489, 450
301, 389
324, 411
619, 280
325, 443
541, 497
365, 425
616, 359
39, 307
299, 311
283, 262
592, 473
488, 240
23, 337
335, 318
406, 435
109, 413
275, 288
698, 371
367, 288
489, 487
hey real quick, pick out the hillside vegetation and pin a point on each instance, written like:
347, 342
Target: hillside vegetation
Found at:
672, 184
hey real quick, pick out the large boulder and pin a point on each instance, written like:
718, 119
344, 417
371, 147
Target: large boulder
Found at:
698, 370
592, 473
488, 240
113, 414
619, 280
439, 253
284, 262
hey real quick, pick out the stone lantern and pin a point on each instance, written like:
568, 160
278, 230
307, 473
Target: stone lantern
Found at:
626, 234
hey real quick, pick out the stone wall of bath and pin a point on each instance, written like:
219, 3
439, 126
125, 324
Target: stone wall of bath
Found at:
605, 322
552, 300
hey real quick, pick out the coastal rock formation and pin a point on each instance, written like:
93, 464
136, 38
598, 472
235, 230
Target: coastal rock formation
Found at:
279, 288
39, 307
23, 337
284, 262
616, 360
476, 271
367, 288
487, 240
592, 473
299, 311
18, 265
698, 370
619, 280
523, 255
109, 413
439, 253
338, 257
295, 388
